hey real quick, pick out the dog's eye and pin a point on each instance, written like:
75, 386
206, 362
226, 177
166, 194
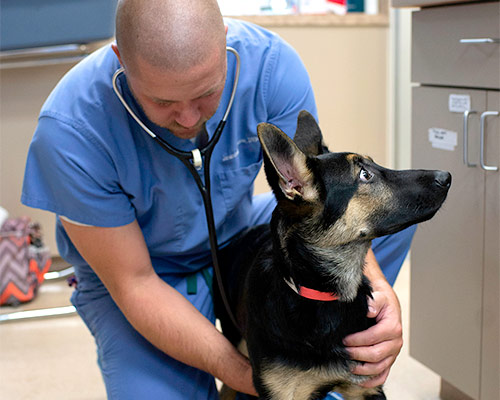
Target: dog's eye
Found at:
365, 176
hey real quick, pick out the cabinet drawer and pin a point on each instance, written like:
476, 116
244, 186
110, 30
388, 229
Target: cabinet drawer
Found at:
438, 56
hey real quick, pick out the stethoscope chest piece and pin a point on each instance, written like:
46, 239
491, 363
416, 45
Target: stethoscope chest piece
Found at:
197, 159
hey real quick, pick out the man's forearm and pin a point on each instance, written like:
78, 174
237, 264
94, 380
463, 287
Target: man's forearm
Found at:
171, 323
162, 315
374, 273
378, 281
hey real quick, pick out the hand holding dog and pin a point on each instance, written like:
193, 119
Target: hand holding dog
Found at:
378, 346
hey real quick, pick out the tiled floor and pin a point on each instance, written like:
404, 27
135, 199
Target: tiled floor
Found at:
55, 358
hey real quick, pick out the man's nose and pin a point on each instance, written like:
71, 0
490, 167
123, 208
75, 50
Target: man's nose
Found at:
188, 115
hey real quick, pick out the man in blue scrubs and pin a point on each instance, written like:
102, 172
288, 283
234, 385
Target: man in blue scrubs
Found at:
129, 215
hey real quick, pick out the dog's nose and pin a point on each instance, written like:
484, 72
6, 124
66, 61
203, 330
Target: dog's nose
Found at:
442, 178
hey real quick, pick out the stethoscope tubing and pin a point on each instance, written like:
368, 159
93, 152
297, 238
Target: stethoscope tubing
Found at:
193, 160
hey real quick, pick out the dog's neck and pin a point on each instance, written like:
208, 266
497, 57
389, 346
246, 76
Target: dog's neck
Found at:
338, 269
342, 267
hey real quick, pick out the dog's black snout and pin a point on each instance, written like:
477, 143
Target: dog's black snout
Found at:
442, 178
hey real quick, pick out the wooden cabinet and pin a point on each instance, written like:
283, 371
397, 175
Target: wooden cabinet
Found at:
455, 259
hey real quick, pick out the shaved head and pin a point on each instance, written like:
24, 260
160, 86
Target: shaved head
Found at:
174, 35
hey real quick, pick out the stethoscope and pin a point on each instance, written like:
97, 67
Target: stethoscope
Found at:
194, 161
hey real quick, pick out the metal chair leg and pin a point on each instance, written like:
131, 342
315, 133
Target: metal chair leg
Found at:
59, 274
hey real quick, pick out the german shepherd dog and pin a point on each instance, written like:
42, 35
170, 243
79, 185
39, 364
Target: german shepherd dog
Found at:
329, 208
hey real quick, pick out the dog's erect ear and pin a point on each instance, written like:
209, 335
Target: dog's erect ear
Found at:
288, 171
308, 137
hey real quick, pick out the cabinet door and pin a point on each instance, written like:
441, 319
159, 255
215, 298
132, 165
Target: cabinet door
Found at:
447, 253
490, 382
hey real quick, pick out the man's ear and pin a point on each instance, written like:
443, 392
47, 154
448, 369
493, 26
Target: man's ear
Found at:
286, 166
308, 137
117, 52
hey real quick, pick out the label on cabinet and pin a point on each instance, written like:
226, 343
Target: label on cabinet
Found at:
443, 139
459, 103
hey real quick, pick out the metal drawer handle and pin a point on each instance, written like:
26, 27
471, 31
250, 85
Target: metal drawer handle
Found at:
466, 137
480, 40
483, 119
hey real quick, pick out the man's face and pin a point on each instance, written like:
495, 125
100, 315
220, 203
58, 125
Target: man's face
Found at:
180, 101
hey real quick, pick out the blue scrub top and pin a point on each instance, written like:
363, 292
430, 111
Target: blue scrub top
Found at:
92, 163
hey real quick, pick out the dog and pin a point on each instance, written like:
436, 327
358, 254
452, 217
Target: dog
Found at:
297, 284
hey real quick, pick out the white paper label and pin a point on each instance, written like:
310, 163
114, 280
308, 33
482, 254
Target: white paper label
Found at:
459, 103
443, 139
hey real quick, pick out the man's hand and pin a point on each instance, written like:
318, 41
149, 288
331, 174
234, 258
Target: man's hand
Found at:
378, 346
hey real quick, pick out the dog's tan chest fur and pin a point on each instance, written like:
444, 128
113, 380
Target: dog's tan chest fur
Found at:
286, 383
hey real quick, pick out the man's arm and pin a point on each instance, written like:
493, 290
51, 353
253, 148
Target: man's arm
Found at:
162, 315
379, 345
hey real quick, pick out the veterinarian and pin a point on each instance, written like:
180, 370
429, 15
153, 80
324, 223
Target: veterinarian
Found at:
130, 217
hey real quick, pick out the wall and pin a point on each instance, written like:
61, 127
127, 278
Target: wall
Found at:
401, 93
23, 91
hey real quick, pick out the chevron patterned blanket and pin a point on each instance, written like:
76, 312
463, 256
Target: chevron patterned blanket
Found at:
24, 260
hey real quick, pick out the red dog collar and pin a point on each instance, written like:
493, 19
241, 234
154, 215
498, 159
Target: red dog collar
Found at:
311, 293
